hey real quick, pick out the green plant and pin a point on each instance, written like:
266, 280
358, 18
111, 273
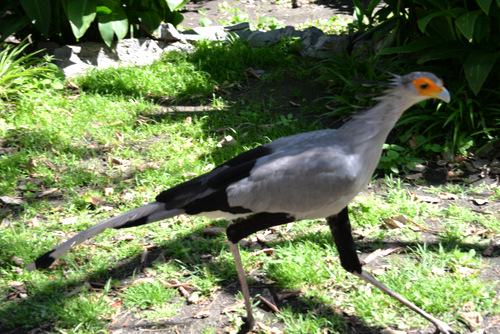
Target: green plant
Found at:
395, 156
461, 34
20, 72
91, 18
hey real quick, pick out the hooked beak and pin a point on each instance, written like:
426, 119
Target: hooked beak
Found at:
442, 94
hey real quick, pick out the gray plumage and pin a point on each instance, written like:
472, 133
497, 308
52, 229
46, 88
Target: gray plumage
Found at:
305, 176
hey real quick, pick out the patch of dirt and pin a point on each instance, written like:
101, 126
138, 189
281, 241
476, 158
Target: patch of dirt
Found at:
309, 12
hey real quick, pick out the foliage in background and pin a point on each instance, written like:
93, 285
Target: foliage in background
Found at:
21, 73
458, 40
65, 21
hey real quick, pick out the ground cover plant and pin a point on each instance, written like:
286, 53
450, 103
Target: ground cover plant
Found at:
112, 139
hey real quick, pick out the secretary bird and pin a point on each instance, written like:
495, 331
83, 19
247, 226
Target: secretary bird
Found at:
305, 176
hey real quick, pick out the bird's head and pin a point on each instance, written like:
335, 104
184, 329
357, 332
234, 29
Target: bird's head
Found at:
422, 86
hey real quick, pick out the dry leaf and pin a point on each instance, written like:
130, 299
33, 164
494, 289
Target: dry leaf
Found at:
447, 196
34, 222
252, 72
119, 136
188, 121
69, 220
127, 196
267, 251
480, 200
47, 192
17, 260
11, 200
232, 308
108, 191
454, 176
285, 294
267, 329
465, 271
424, 198
202, 314
121, 162
151, 164
227, 141
94, 200
214, 231
382, 253
415, 176
472, 319
438, 271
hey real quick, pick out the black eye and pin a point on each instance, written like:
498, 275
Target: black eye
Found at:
424, 86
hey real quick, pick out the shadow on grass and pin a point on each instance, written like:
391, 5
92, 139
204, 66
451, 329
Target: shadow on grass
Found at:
46, 307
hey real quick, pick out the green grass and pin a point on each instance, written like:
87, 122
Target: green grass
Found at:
114, 133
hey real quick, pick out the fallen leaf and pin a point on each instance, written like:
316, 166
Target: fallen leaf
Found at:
121, 162
127, 196
267, 251
424, 198
285, 294
202, 314
447, 196
234, 307
252, 72
227, 141
454, 176
34, 222
480, 200
11, 200
382, 253
465, 271
94, 200
116, 303
119, 136
438, 271
17, 260
69, 220
267, 329
125, 236
108, 191
152, 165
213, 231
472, 319
188, 121
415, 176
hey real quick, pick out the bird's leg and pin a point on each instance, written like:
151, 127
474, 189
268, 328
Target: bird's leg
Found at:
441, 326
341, 231
240, 229
249, 320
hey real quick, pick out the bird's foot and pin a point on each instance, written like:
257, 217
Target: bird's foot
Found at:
442, 327
248, 324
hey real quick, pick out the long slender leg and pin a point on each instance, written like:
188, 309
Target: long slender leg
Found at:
249, 320
235, 232
341, 231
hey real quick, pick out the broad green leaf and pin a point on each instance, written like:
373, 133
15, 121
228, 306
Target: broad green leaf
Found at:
423, 22
39, 12
466, 23
10, 25
114, 24
485, 5
175, 5
150, 20
417, 45
103, 10
477, 67
442, 51
80, 13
